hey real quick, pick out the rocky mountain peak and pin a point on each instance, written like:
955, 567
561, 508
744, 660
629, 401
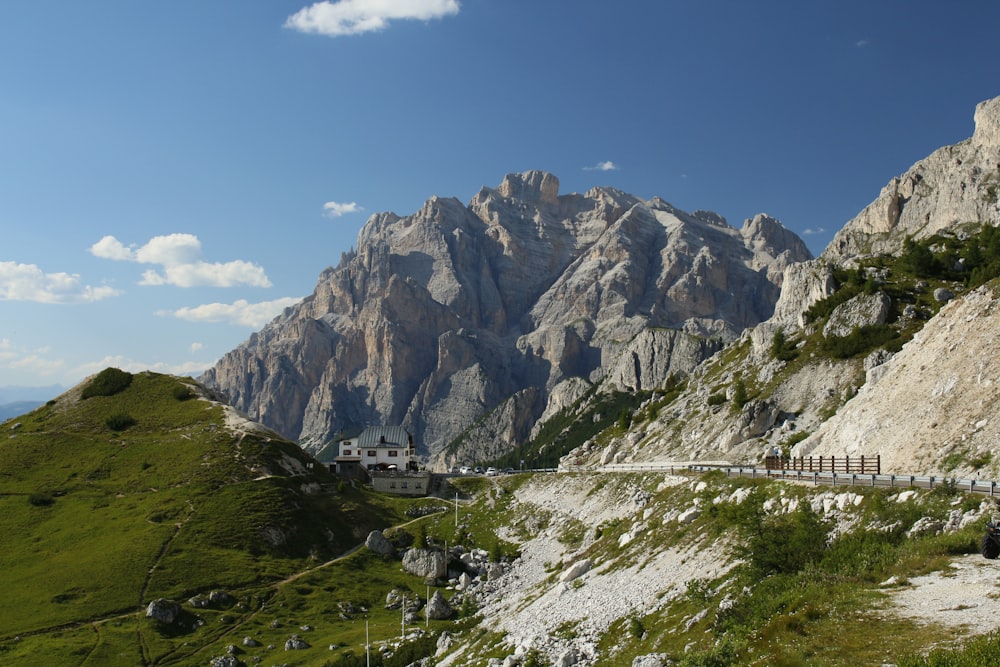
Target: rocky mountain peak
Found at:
767, 237
445, 315
987, 118
532, 186
954, 185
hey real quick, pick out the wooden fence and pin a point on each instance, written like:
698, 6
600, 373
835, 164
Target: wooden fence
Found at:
861, 465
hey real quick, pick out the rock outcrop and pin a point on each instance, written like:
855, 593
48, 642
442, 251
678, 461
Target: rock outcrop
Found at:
954, 185
446, 315
927, 408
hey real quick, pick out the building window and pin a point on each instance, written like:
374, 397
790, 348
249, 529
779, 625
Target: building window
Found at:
404, 485
393, 452
347, 452
372, 453
419, 485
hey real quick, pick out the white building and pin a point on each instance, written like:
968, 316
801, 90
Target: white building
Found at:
378, 448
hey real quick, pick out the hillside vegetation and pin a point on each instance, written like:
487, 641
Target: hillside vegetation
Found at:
141, 491
131, 488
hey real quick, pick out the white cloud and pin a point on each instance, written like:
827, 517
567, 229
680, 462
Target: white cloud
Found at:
37, 365
810, 232
195, 347
607, 165
241, 312
180, 257
354, 17
862, 43
333, 209
34, 362
27, 282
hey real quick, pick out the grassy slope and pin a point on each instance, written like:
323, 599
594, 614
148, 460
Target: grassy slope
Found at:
97, 522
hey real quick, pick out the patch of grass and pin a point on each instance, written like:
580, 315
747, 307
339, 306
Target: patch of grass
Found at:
975, 652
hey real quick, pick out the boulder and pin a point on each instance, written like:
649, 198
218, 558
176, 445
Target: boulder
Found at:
926, 526
225, 661
296, 643
378, 544
438, 608
163, 611
862, 310
220, 598
576, 570
688, 515
426, 563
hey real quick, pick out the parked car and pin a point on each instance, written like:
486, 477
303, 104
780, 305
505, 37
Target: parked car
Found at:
479, 470
508, 471
492, 472
465, 470
453, 470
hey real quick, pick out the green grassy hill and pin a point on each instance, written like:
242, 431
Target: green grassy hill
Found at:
131, 488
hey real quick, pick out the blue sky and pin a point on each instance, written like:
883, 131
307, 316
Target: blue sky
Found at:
172, 174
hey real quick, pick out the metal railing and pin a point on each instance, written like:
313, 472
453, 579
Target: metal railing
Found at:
828, 478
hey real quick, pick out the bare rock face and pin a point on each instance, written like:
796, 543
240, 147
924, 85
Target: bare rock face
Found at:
954, 185
656, 354
936, 398
446, 315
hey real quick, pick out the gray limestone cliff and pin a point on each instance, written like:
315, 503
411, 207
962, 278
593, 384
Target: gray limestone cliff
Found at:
445, 315
926, 406
954, 185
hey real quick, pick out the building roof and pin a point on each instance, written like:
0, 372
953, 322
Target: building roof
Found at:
384, 436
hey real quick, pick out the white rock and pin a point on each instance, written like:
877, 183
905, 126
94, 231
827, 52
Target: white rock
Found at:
576, 570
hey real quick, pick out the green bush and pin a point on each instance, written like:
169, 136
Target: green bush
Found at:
119, 422
108, 382
786, 543
740, 395
717, 399
781, 348
860, 340
182, 392
40, 499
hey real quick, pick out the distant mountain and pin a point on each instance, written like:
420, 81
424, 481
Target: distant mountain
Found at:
8, 410
15, 394
503, 306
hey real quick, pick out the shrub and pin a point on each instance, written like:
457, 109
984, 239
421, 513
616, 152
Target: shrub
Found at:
781, 348
861, 339
717, 399
740, 396
635, 627
108, 382
787, 543
40, 499
182, 392
119, 422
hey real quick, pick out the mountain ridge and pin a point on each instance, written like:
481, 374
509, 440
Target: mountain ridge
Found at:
439, 317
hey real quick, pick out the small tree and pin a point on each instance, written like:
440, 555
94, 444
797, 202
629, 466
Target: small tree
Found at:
740, 397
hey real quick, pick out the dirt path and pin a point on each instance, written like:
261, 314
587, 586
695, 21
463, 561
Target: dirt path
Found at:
966, 596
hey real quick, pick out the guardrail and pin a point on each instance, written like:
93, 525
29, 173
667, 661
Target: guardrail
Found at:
978, 486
